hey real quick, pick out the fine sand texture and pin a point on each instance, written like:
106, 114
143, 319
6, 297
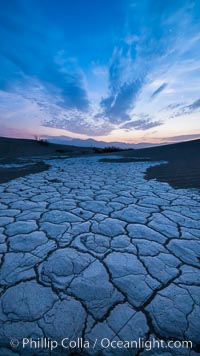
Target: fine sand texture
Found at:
19, 157
14, 147
182, 163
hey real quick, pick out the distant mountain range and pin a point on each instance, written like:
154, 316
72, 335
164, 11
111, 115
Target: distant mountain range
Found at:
65, 140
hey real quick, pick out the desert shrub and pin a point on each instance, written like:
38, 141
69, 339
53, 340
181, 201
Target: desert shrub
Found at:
110, 149
41, 141
60, 150
97, 150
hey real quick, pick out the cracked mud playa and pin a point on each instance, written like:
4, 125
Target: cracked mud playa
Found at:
91, 250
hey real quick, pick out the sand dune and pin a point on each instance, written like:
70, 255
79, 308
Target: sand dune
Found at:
181, 171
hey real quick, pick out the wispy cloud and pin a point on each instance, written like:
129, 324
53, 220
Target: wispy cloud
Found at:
172, 106
78, 122
142, 57
159, 90
117, 106
187, 109
194, 106
141, 124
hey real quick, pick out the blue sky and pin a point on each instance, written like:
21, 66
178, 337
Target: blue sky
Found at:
126, 70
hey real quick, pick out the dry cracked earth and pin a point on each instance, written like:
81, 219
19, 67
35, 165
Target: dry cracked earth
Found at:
92, 250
